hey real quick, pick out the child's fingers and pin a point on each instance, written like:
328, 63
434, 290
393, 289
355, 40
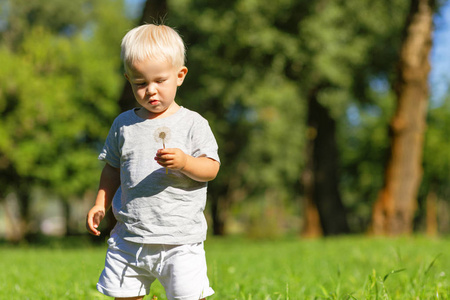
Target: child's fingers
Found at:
168, 151
171, 158
163, 163
92, 223
94, 231
90, 227
164, 158
164, 151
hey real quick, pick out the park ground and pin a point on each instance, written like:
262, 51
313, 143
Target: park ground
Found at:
350, 267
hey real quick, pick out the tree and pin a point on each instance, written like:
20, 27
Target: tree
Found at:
363, 142
324, 210
54, 108
393, 212
435, 189
237, 81
267, 76
256, 63
345, 45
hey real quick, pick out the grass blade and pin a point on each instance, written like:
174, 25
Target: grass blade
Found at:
432, 263
392, 272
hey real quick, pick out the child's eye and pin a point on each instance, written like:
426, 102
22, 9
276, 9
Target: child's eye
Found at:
140, 84
160, 80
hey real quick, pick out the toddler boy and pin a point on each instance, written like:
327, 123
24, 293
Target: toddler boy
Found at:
161, 155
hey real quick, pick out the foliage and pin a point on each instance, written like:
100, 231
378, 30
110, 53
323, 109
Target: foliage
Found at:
436, 161
59, 17
437, 148
364, 145
59, 83
334, 268
237, 80
252, 65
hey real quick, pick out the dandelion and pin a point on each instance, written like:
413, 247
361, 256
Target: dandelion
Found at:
162, 135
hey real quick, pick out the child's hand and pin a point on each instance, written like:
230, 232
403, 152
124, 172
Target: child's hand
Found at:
93, 219
171, 158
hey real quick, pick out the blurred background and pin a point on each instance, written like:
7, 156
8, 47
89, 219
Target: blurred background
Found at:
332, 116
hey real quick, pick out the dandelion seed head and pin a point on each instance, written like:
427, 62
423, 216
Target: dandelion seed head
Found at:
162, 135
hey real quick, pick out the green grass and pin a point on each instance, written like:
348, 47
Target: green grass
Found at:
332, 268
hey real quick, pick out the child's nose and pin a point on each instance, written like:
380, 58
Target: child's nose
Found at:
151, 89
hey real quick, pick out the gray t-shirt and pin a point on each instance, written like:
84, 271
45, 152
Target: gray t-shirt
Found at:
153, 207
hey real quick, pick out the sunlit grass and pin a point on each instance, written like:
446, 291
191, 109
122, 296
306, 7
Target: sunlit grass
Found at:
332, 268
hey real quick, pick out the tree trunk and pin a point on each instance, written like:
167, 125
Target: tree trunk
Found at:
24, 200
219, 214
311, 224
394, 209
321, 186
222, 197
67, 212
13, 231
431, 214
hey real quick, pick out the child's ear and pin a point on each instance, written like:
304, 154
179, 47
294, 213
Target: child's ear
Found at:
181, 75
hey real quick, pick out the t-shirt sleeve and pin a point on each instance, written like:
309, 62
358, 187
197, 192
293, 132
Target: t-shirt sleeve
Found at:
110, 152
204, 142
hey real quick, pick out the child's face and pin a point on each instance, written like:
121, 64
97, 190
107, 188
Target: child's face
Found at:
154, 85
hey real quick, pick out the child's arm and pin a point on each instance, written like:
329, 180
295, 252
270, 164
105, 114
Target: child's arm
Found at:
201, 169
109, 183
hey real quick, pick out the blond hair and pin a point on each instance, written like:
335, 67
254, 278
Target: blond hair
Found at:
155, 42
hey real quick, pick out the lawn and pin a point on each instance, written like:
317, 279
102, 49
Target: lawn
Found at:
331, 268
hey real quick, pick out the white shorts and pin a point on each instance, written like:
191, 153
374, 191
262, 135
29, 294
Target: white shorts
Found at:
131, 268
